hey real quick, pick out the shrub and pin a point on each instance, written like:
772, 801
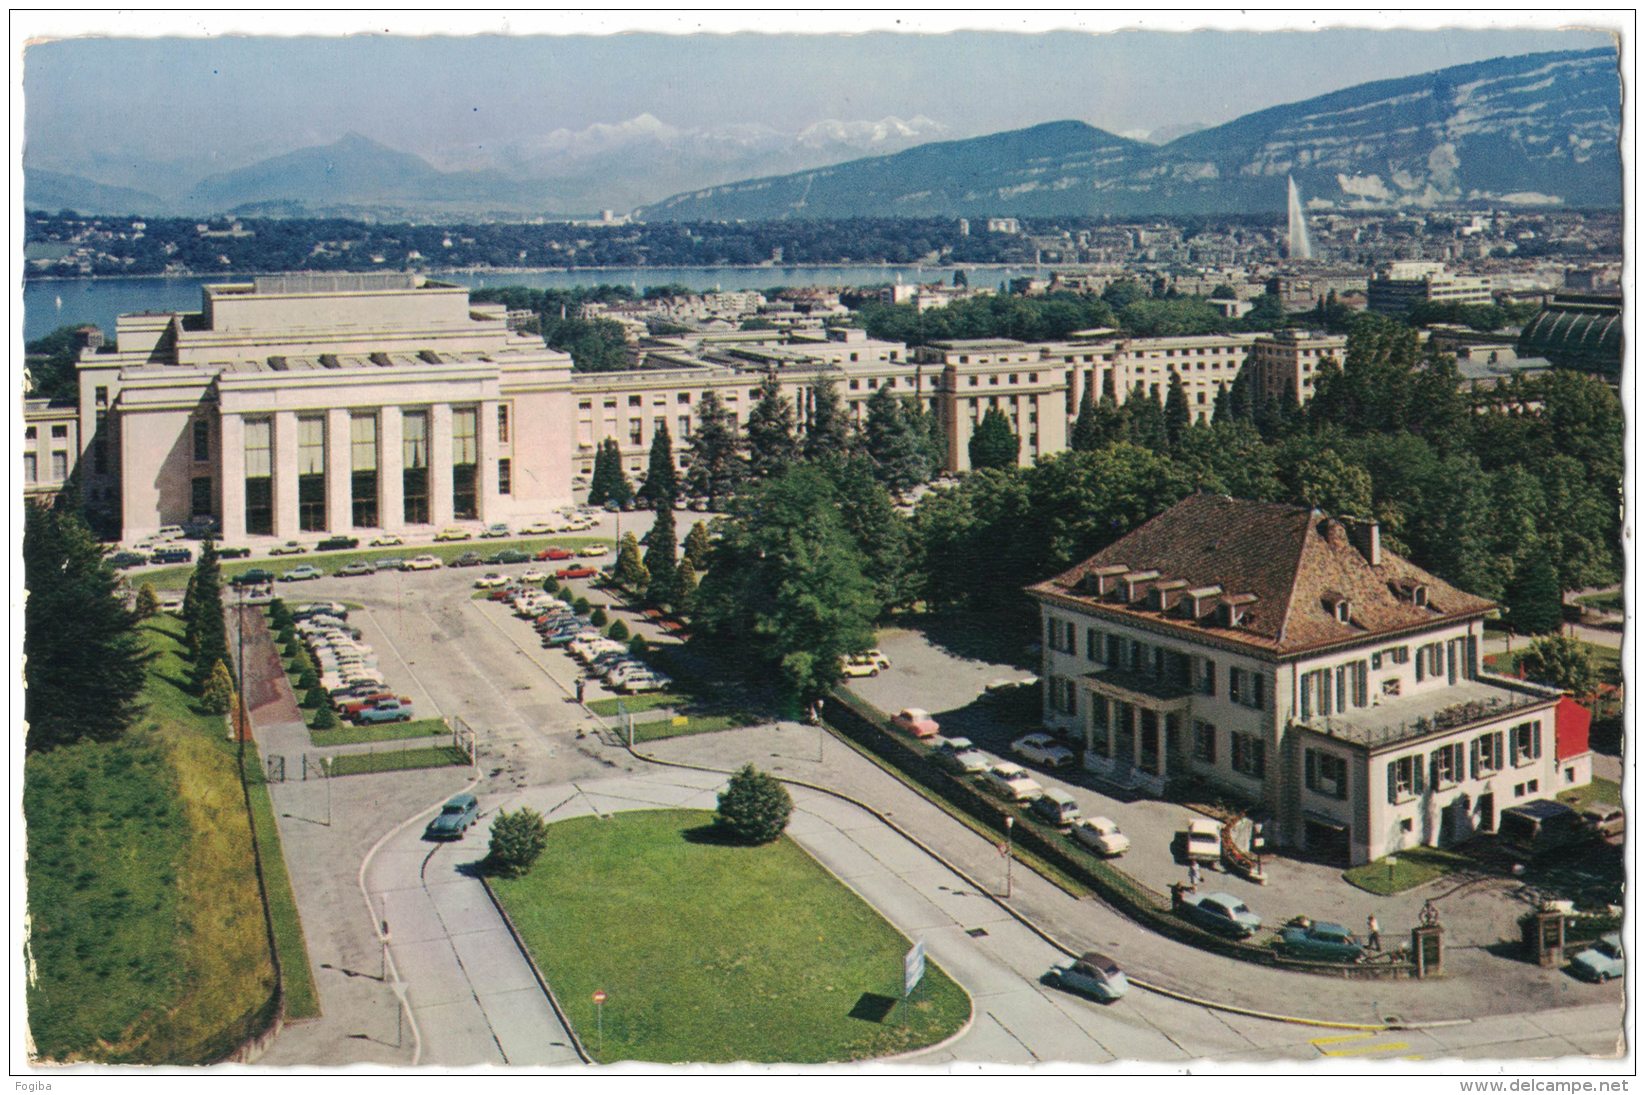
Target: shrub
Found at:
517, 839
567, 595
637, 646
219, 694
308, 680
618, 630
316, 697
580, 605
551, 584
598, 617
754, 807
279, 615
148, 602
325, 718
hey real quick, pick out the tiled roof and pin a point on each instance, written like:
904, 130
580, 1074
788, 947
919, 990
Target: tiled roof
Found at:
1299, 564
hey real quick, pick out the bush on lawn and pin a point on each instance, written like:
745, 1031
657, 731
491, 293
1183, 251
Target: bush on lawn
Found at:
325, 718
148, 603
598, 617
517, 839
551, 584
219, 694
618, 630
308, 680
754, 807
580, 606
317, 697
637, 646
279, 615
568, 595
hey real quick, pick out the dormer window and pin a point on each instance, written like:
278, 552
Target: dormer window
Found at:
1412, 592
1342, 612
1337, 605
1235, 607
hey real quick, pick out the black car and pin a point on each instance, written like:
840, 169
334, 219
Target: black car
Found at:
172, 555
253, 577
128, 559
467, 559
510, 555
338, 543
234, 553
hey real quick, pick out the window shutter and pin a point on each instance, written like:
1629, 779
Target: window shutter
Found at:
1256, 691
1496, 748
1393, 781
1420, 661
1536, 740
1473, 759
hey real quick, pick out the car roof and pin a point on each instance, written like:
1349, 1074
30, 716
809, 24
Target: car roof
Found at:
916, 712
1224, 898
1203, 825
1542, 809
463, 799
1325, 927
1099, 961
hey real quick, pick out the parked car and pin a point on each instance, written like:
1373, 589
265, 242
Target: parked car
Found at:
575, 572
1222, 913
467, 559
490, 581
594, 551
336, 609
874, 655
1101, 835
959, 755
1012, 781
338, 543
1320, 941
646, 682
172, 555
1605, 819
422, 562
1043, 749
1602, 961
389, 540
122, 559
374, 698
539, 528
508, 556
256, 576
391, 562
453, 533
356, 569
169, 532
303, 573
234, 553
290, 547
859, 665
1537, 828
916, 721
534, 575
1093, 974
555, 554
1201, 841
494, 532
1057, 807
387, 711
454, 818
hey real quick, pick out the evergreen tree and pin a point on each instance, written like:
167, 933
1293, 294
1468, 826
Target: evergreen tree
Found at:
618, 631
630, 572
1110, 417
210, 631
83, 657
619, 489
993, 444
829, 433
928, 427
599, 483
325, 718
696, 546
148, 602
1145, 420
517, 839
1222, 406
662, 482
1086, 436
881, 533
1177, 415
772, 443
660, 554
897, 451
685, 581
715, 467
754, 807
1239, 397
1533, 598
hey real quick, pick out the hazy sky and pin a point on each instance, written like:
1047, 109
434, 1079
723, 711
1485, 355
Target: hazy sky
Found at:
233, 99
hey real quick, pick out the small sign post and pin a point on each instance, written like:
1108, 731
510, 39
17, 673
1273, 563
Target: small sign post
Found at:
913, 968
599, 1017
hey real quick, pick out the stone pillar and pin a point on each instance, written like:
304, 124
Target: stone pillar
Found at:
285, 474
493, 506
231, 477
439, 465
339, 503
391, 493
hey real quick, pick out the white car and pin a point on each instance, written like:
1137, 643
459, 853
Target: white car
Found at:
1043, 749
539, 528
1012, 781
390, 540
959, 755
534, 575
1101, 835
1202, 840
490, 581
646, 682
593, 551
422, 562
859, 665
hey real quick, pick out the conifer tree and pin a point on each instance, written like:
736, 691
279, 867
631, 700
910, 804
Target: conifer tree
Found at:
993, 444
696, 547
772, 443
1145, 420
898, 452
661, 480
715, 467
210, 632
1085, 437
829, 433
1177, 416
660, 553
630, 572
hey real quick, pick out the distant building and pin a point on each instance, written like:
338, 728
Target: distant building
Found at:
1006, 226
1401, 286
1578, 331
1285, 364
51, 447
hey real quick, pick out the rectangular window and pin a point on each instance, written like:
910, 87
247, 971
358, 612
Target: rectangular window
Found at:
30, 433
1099, 727
505, 476
200, 497
1446, 766
59, 466
1093, 645
684, 431
1316, 693
1245, 687
311, 474
1405, 778
102, 396
1325, 773
259, 435
414, 458
1485, 755
60, 433
362, 448
1249, 755
1525, 743
502, 423
1205, 742
31, 468
465, 456
1207, 677
202, 441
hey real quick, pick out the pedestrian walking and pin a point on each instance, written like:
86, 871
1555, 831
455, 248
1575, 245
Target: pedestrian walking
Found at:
1373, 933
581, 684
1193, 874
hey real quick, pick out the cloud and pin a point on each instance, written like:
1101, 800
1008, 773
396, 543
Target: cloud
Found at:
1365, 186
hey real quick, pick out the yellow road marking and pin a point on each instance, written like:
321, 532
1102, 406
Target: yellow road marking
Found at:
1359, 1051
1344, 1038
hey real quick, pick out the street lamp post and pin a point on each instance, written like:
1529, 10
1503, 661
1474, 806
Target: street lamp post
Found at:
1010, 823
1393, 861
325, 770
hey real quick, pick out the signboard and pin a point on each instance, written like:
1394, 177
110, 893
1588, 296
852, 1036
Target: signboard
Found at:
599, 996
913, 967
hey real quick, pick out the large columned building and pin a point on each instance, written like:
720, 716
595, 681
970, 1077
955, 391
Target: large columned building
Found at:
324, 403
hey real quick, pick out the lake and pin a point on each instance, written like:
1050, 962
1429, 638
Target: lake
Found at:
48, 305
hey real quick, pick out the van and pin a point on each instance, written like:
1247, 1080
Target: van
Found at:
1533, 828
169, 532
1057, 806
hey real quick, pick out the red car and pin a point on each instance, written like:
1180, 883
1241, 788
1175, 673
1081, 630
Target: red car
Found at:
355, 706
555, 553
575, 572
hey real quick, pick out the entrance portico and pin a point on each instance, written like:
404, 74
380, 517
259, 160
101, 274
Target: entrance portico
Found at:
1134, 735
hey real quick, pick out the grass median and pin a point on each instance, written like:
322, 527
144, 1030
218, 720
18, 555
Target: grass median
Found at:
1405, 870
392, 731
717, 952
397, 760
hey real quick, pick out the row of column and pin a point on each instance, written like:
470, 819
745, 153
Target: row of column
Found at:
339, 465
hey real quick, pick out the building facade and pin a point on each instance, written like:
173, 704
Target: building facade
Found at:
51, 447
1400, 286
1286, 657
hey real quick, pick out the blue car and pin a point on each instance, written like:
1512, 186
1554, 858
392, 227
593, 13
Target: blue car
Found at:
1602, 961
454, 818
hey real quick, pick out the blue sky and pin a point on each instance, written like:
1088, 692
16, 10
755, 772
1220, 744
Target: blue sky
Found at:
231, 99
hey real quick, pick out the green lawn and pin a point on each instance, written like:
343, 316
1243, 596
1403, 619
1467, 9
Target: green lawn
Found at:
392, 731
302, 1002
148, 932
647, 701
1609, 602
396, 760
658, 729
713, 953
1415, 866
331, 561
1600, 791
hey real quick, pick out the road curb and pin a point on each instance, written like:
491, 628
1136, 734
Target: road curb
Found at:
1046, 936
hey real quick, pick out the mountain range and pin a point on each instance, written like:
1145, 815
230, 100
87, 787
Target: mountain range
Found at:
1539, 129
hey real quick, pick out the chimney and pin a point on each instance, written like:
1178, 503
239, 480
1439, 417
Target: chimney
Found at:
89, 337
1366, 535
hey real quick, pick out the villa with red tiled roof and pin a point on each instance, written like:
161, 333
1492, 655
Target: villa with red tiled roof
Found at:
1288, 657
